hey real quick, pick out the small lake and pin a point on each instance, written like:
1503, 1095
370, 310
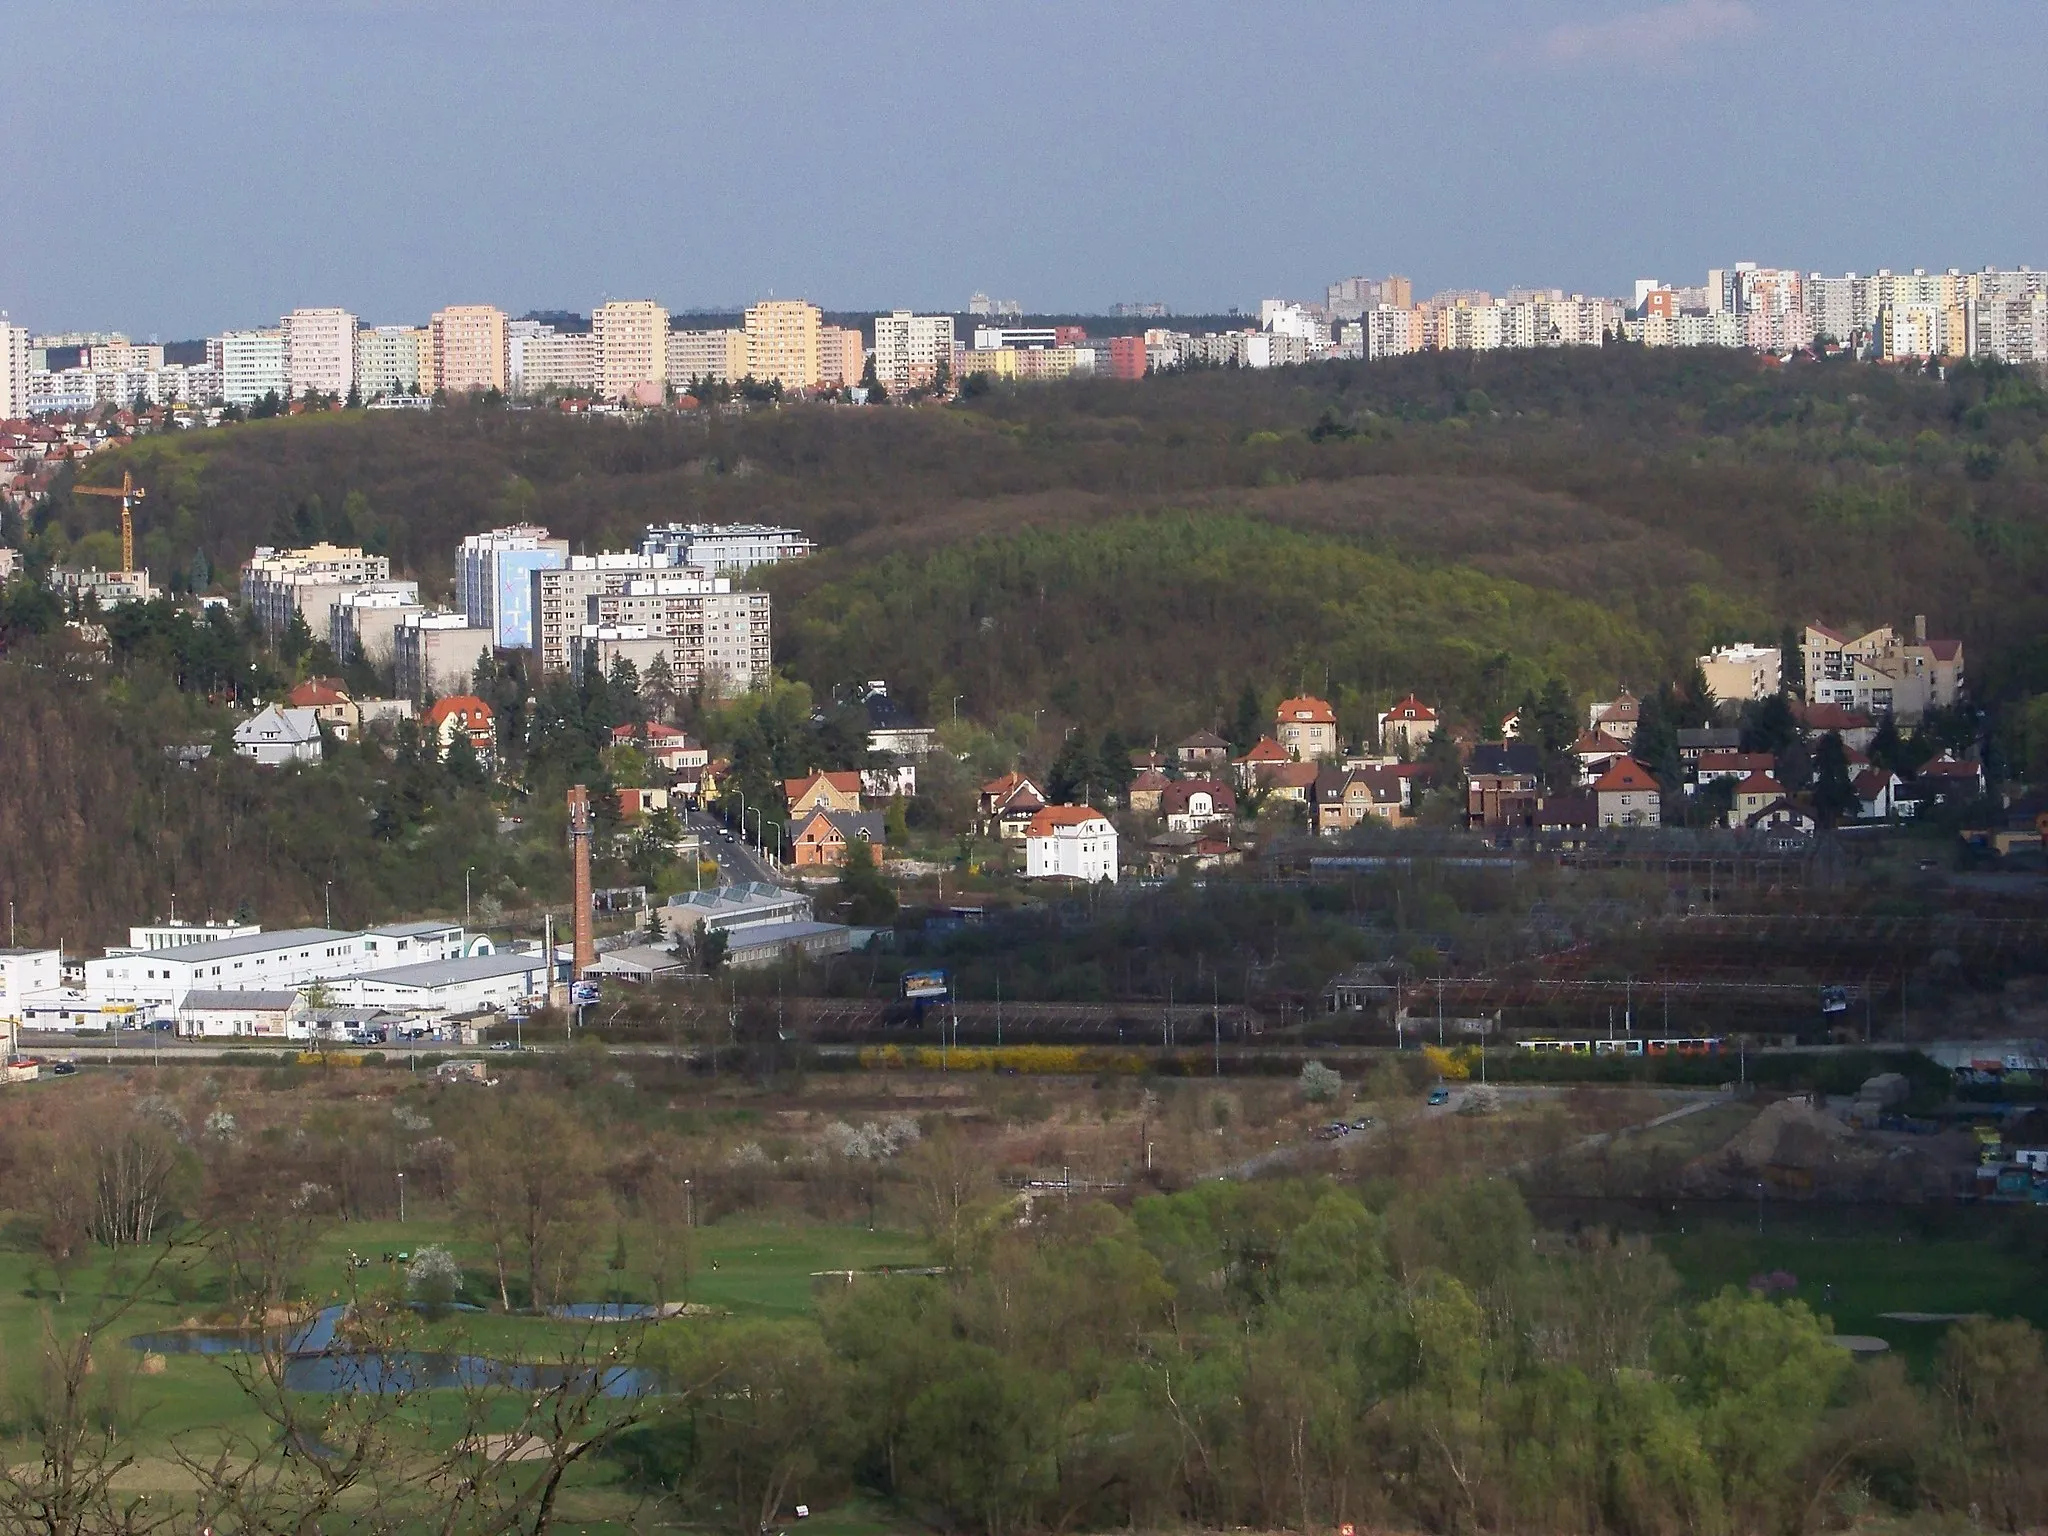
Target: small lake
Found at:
607, 1312
313, 1363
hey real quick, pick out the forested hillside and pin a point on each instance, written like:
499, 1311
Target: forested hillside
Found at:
1694, 496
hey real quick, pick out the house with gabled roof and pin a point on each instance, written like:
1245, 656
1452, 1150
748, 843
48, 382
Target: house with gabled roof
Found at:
1345, 797
1006, 806
819, 791
1597, 752
1070, 842
331, 705
1408, 726
1628, 795
462, 714
1306, 728
1190, 805
274, 736
1752, 793
1202, 749
1617, 717
1145, 791
822, 837
1252, 769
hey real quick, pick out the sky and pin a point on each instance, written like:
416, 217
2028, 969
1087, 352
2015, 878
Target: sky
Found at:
174, 169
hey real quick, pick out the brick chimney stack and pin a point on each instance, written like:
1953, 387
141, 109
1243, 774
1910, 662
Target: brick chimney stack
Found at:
579, 839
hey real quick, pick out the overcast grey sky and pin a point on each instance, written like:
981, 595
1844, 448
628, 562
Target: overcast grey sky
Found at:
173, 169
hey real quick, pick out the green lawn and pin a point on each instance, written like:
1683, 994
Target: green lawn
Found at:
1869, 1276
741, 1266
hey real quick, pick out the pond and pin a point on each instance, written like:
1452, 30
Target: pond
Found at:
608, 1312
313, 1363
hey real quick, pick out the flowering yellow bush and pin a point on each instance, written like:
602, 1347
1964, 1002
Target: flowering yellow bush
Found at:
1055, 1060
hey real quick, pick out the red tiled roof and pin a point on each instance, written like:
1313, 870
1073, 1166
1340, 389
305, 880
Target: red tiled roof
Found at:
1267, 750
1180, 791
1291, 776
1151, 779
1598, 744
1315, 711
1759, 784
1737, 762
314, 693
1871, 783
1626, 774
847, 782
1411, 708
1829, 717
473, 710
1945, 650
1051, 818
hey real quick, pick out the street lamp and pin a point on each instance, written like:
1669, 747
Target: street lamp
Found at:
401, 1197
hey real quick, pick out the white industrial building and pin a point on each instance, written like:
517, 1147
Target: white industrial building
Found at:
462, 985
23, 974
278, 1015
290, 958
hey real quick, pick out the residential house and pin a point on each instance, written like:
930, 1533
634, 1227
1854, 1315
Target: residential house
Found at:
1253, 769
1755, 792
1007, 805
1407, 727
823, 837
1617, 717
263, 1015
1202, 750
1627, 795
1597, 752
1170, 852
1192, 805
1345, 797
1145, 760
463, 714
330, 704
1709, 766
818, 791
665, 746
1306, 728
1948, 779
1291, 781
1497, 800
275, 735
893, 780
1509, 757
1145, 791
1876, 791
1695, 741
1781, 822
1071, 842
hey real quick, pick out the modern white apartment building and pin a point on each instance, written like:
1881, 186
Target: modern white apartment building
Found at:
13, 369
391, 360
713, 637
23, 973
538, 357
494, 580
1910, 330
720, 356
631, 337
1840, 307
723, 549
435, 654
910, 348
782, 343
320, 351
278, 582
252, 365
467, 349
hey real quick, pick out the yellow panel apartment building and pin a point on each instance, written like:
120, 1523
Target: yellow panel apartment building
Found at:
468, 349
632, 346
783, 342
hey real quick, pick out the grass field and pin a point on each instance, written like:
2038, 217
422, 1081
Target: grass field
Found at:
1855, 1280
741, 1266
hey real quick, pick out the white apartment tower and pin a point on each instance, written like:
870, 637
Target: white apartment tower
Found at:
320, 351
251, 365
389, 360
909, 349
13, 369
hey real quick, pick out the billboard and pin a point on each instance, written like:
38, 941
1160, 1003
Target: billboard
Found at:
924, 986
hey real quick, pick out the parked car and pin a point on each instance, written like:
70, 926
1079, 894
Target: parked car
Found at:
1439, 1095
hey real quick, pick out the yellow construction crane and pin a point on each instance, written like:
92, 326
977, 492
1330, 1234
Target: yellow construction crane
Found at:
130, 493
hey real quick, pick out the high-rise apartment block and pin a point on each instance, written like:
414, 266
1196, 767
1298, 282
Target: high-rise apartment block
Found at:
13, 369
723, 549
561, 600
320, 351
782, 343
468, 354
1349, 298
713, 637
720, 356
278, 582
910, 349
538, 358
842, 357
393, 360
631, 338
494, 580
251, 364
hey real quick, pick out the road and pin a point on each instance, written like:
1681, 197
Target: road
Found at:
737, 861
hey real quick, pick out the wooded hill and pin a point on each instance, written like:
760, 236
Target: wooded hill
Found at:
1694, 496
